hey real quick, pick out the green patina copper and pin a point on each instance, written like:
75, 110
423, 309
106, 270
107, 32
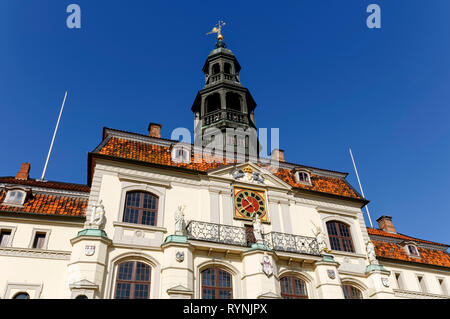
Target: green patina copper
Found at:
176, 239
92, 233
257, 246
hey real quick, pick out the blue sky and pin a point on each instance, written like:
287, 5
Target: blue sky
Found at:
314, 68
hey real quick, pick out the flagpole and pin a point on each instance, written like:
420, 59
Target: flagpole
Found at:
360, 187
53, 139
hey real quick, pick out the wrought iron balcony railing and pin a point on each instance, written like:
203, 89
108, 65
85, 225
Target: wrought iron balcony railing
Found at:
238, 236
216, 233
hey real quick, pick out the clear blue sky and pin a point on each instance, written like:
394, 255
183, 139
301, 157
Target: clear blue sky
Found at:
314, 68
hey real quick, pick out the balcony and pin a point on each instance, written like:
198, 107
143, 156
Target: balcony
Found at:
229, 115
232, 235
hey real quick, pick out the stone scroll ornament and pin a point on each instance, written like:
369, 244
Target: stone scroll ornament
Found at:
179, 220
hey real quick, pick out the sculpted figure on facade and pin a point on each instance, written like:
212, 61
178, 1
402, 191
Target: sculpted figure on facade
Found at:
97, 215
321, 240
371, 255
257, 229
179, 220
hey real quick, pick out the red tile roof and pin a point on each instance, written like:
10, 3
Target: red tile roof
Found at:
158, 154
46, 204
427, 256
391, 250
47, 184
379, 232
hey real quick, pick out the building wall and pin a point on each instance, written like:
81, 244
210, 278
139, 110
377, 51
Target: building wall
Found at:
65, 264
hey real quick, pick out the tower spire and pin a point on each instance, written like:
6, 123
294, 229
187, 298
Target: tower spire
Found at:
218, 29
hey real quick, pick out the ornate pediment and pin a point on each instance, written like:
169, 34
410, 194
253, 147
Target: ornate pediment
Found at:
249, 173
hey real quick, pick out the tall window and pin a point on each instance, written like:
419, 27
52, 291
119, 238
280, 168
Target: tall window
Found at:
39, 240
351, 292
422, 285
5, 236
340, 236
133, 280
216, 284
140, 208
293, 288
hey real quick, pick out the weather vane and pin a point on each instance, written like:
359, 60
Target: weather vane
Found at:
218, 29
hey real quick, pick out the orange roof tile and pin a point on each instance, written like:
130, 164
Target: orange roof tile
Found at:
158, 154
427, 256
379, 232
46, 204
46, 184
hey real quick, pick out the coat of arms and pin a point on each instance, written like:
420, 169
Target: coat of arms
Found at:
267, 266
179, 256
385, 282
331, 273
89, 250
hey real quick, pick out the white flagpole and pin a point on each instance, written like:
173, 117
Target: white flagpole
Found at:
360, 187
54, 135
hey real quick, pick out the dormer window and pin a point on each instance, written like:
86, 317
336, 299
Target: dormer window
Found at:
411, 250
15, 197
181, 155
303, 177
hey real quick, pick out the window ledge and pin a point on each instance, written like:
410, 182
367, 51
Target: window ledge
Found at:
347, 254
138, 226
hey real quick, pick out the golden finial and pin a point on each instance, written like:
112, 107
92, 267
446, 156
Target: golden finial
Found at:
218, 29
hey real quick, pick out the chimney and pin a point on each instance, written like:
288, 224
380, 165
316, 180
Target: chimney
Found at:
277, 155
154, 130
385, 223
24, 172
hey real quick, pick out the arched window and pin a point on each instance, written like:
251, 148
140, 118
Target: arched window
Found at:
21, 295
351, 292
133, 280
140, 208
293, 288
216, 284
215, 68
303, 177
212, 103
81, 297
233, 101
340, 236
227, 68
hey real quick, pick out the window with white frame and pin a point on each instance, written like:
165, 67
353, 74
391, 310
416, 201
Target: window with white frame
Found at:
411, 250
303, 177
15, 197
39, 239
422, 285
5, 237
399, 280
181, 155
442, 285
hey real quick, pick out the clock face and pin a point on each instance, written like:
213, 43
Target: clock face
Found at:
248, 202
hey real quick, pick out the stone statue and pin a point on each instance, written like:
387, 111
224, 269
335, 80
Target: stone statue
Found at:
257, 229
97, 214
179, 220
321, 239
371, 255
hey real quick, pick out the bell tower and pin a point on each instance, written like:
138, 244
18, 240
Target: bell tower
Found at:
224, 103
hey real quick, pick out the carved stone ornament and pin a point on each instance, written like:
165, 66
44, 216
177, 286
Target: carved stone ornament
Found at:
385, 282
247, 174
331, 273
179, 256
89, 250
267, 266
